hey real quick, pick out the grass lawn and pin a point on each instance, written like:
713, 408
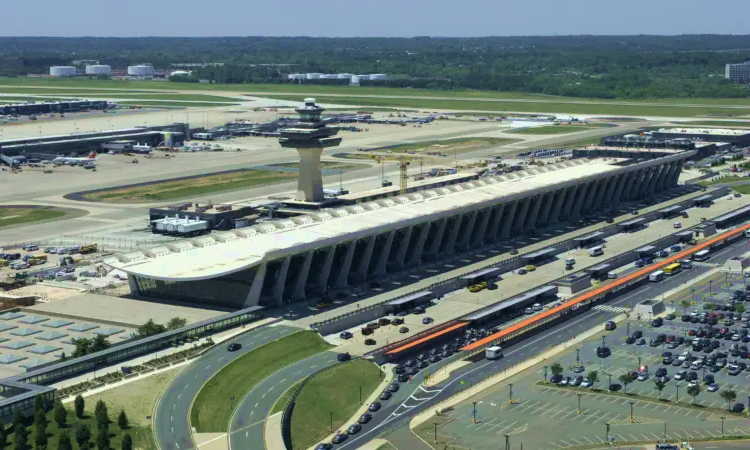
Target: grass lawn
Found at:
336, 390
742, 188
173, 105
449, 146
724, 180
552, 129
552, 107
714, 123
15, 216
190, 187
143, 437
212, 410
281, 401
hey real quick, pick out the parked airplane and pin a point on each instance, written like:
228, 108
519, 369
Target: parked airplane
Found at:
73, 161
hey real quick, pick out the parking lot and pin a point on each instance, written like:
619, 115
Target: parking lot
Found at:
530, 413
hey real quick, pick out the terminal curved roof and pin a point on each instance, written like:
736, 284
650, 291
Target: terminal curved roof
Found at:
223, 253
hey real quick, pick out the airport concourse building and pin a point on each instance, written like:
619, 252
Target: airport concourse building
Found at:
287, 260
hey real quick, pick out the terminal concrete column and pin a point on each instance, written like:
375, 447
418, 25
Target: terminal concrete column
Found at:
537, 204
664, 176
479, 235
383, 260
435, 246
454, 234
559, 201
606, 200
602, 192
676, 175
655, 179
299, 285
364, 263
549, 199
401, 255
417, 255
278, 289
630, 180
496, 221
637, 177
342, 278
325, 271
589, 201
508, 220
466, 238
253, 297
575, 213
621, 181
668, 178
521, 217
643, 190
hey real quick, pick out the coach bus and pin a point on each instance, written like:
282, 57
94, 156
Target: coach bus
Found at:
701, 255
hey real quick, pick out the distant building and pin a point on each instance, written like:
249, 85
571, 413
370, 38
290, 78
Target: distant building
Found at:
738, 73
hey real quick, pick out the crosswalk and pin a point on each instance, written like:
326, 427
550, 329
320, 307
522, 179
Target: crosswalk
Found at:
706, 264
608, 308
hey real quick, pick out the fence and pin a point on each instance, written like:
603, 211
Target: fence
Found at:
105, 243
286, 415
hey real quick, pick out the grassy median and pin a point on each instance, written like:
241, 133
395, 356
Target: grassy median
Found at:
213, 408
337, 391
553, 129
20, 215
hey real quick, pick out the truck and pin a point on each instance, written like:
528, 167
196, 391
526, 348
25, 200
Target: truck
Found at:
656, 276
67, 260
90, 248
494, 352
596, 251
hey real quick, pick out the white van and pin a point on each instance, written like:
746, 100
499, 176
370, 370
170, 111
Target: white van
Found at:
596, 251
570, 261
537, 306
611, 275
656, 276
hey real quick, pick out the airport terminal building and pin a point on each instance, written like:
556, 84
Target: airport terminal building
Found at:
287, 260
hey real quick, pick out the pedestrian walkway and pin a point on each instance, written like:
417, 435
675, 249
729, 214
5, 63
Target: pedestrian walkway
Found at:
608, 308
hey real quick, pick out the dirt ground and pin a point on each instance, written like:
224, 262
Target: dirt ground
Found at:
137, 398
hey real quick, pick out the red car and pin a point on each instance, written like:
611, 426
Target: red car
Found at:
670, 338
691, 332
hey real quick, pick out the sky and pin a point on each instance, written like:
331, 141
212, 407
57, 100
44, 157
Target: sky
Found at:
367, 18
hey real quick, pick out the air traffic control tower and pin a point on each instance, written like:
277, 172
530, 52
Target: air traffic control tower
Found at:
309, 136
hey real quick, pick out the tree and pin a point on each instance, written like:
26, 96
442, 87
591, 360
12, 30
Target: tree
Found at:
60, 414
593, 376
82, 347
102, 439
38, 403
40, 440
3, 440
63, 357
659, 385
685, 305
122, 420
176, 323
729, 395
708, 306
82, 435
98, 344
79, 405
18, 419
150, 328
63, 443
21, 435
101, 415
694, 391
740, 308
127, 442
626, 379
556, 369
40, 422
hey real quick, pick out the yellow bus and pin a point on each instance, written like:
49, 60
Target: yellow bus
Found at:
672, 269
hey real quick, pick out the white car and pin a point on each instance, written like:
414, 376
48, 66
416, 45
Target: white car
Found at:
697, 365
712, 387
586, 383
643, 376
693, 383
677, 225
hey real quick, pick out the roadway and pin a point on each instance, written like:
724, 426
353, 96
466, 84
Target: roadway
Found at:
410, 402
171, 421
247, 423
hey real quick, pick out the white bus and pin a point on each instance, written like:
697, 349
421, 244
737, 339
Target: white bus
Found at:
493, 352
656, 276
747, 233
701, 255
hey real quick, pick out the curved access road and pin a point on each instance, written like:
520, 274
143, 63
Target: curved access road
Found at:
171, 421
247, 423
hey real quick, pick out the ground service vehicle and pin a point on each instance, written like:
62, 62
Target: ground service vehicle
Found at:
91, 248
494, 352
656, 276
596, 251
673, 269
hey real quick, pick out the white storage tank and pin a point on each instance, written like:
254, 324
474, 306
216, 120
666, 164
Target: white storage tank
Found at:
62, 71
355, 80
296, 76
98, 69
378, 76
313, 76
328, 76
141, 70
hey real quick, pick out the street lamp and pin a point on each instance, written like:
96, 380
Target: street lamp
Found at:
631, 411
331, 413
434, 441
579, 403
507, 441
474, 418
722, 425
677, 397
545, 377
606, 437
665, 432
510, 393
578, 355
360, 394
628, 329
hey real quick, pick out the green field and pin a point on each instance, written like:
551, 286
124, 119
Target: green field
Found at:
16, 216
551, 107
449, 146
336, 390
143, 437
212, 409
714, 123
552, 129
724, 180
190, 187
172, 105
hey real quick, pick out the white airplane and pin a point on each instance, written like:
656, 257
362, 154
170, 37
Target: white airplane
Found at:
91, 157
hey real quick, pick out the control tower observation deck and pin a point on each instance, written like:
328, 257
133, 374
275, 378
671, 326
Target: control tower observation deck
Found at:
309, 136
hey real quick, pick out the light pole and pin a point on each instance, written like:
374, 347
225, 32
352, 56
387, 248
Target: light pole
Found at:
474, 418
331, 414
665, 432
579, 403
628, 329
722, 425
631, 411
710, 286
677, 396
510, 393
360, 394
578, 356
606, 436
545, 377
610, 378
507, 441
603, 340
639, 362
434, 441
